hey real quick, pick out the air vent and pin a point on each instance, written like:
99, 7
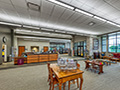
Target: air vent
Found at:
33, 6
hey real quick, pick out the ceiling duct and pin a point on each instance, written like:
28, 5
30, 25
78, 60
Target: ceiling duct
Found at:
33, 6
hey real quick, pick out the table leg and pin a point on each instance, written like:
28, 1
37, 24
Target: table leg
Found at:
106, 63
60, 84
100, 69
81, 83
64, 86
110, 63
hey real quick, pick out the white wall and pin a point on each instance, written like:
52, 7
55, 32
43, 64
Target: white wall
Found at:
28, 44
5, 32
79, 38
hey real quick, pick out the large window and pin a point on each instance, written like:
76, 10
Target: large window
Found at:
118, 42
104, 38
112, 44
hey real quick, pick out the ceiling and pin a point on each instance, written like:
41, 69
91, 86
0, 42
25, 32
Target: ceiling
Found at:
58, 17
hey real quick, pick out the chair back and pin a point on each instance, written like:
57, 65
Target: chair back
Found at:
93, 65
48, 65
78, 65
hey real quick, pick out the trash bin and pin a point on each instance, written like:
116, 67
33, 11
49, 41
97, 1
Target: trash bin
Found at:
20, 61
9, 58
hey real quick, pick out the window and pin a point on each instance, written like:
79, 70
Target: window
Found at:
75, 49
118, 41
104, 43
112, 42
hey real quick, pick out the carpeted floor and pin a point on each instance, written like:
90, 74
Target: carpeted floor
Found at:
35, 78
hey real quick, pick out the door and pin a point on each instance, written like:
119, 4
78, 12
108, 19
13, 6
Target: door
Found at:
45, 49
80, 51
21, 50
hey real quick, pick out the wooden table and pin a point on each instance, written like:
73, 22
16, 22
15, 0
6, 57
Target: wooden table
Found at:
63, 76
96, 63
107, 62
115, 59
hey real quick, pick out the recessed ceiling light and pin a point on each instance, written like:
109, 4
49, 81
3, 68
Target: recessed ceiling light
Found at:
33, 6
91, 23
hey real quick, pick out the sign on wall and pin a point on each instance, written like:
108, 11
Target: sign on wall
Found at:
95, 44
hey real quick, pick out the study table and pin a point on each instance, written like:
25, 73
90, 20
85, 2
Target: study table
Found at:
95, 63
64, 76
107, 62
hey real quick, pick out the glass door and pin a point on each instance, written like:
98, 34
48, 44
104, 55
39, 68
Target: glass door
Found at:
78, 51
82, 51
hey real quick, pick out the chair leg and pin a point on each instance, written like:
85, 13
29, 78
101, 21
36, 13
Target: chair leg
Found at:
50, 86
53, 86
48, 78
69, 85
77, 83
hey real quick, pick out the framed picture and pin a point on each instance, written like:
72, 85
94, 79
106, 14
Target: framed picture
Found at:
95, 44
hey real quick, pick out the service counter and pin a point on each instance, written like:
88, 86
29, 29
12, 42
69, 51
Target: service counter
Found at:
17, 58
34, 58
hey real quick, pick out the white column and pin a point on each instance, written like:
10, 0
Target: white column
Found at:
72, 45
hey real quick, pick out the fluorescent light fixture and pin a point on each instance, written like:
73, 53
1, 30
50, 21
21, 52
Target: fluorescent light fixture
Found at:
31, 27
22, 30
11, 24
36, 32
100, 18
79, 34
45, 33
46, 29
60, 31
118, 25
111, 23
70, 32
35, 40
86, 13
62, 4
27, 39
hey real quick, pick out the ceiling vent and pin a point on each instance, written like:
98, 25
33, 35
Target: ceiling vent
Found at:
33, 6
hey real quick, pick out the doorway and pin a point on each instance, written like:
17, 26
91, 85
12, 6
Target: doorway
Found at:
45, 48
80, 51
21, 50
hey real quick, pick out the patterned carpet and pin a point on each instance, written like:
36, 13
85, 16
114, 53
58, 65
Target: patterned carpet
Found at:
35, 78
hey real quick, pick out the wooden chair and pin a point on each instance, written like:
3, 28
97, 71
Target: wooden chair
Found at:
53, 81
95, 67
48, 65
73, 81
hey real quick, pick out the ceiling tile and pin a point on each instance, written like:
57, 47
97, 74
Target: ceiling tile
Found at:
21, 3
